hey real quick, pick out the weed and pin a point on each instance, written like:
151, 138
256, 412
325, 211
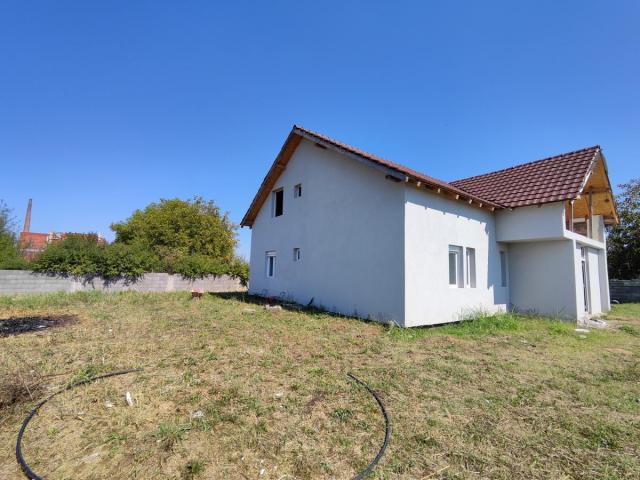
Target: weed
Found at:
169, 434
192, 469
630, 330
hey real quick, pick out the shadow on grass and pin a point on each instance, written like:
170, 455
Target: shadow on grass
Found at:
261, 301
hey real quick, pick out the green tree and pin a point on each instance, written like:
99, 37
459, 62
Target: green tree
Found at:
176, 228
623, 241
189, 237
9, 250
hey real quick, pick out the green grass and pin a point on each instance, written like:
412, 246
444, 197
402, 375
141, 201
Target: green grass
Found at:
496, 396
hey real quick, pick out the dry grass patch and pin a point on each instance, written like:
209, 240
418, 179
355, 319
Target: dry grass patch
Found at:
224, 394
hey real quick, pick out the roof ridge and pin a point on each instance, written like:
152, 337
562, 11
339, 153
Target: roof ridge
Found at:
533, 162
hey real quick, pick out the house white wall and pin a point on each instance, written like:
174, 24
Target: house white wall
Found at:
378, 249
432, 223
349, 225
543, 277
531, 223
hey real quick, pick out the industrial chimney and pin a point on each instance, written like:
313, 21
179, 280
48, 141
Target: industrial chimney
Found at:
27, 218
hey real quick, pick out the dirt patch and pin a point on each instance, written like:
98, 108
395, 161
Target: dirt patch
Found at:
18, 325
17, 388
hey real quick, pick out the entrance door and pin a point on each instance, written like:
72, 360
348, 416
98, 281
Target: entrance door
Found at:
585, 279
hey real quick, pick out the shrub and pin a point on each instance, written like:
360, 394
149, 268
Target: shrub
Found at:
127, 260
75, 255
196, 266
191, 238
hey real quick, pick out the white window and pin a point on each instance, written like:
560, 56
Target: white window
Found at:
296, 254
503, 268
277, 197
297, 190
270, 264
470, 278
455, 266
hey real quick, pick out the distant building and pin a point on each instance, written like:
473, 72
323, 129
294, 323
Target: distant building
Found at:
32, 243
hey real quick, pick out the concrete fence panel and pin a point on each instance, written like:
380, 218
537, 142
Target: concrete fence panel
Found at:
24, 281
625, 291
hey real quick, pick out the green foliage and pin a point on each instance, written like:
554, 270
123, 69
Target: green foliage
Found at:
176, 228
10, 258
623, 241
127, 260
75, 255
631, 330
85, 255
191, 238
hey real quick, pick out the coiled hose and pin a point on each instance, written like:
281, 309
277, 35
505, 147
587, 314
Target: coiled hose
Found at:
34, 476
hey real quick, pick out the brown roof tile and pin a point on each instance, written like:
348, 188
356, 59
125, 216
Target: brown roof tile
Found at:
551, 179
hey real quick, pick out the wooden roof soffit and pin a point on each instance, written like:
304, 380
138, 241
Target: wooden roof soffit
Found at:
597, 189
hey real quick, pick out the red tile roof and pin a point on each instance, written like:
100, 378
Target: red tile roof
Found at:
551, 179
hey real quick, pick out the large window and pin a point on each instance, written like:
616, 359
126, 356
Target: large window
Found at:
270, 264
503, 268
278, 202
470, 267
455, 266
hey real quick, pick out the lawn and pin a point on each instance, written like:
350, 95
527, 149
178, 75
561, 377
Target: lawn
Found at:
231, 390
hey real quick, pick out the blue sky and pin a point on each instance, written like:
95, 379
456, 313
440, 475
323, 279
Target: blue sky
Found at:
108, 106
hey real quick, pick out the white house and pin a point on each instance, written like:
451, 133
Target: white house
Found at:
341, 229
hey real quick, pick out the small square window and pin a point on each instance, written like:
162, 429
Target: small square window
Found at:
278, 202
296, 254
297, 190
270, 264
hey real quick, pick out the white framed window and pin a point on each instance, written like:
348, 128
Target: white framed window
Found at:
297, 191
270, 264
470, 267
503, 268
277, 201
455, 266
296, 254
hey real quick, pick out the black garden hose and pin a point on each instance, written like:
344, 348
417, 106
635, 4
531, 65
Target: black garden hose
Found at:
33, 476
23, 464
387, 429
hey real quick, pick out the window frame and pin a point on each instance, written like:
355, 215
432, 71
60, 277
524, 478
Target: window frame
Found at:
456, 250
275, 194
270, 263
470, 267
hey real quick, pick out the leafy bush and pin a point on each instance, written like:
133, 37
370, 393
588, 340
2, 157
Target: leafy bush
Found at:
190, 238
177, 228
75, 255
118, 259
197, 265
